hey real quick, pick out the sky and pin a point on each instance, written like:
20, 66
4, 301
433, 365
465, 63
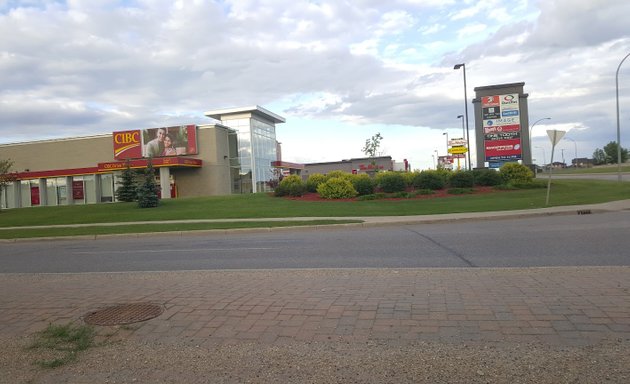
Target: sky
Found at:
339, 71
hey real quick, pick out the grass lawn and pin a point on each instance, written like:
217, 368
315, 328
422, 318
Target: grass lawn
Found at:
262, 206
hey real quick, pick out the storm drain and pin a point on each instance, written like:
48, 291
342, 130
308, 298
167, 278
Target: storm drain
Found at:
123, 314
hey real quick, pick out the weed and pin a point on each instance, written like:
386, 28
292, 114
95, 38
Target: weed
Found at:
64, 341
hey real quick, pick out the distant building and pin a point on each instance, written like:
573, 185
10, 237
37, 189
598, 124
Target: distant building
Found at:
582, 162
237, 155
357, 166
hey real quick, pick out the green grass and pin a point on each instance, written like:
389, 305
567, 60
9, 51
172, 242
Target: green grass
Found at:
155, 228
61, 343
262, 206
598, 169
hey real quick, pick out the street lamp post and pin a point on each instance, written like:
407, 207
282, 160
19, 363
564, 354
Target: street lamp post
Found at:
575, 145
532, 128
618, 129
463, 137
458, 66
437, 158
446, 133
544, 157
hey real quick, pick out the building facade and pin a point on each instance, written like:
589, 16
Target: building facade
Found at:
189, 161
358, 165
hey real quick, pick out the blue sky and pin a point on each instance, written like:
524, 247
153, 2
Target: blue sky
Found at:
339, 72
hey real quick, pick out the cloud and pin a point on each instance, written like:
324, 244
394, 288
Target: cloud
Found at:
97, 66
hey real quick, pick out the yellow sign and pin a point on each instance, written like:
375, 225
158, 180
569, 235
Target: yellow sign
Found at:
458, 150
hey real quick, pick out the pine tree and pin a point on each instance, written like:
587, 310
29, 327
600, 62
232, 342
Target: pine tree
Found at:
148, 190
127, 190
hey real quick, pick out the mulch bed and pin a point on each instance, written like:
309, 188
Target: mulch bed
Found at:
312, 196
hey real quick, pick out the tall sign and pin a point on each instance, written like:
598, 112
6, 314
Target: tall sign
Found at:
501, 128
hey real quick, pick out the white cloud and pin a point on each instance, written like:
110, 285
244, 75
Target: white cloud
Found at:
85, 67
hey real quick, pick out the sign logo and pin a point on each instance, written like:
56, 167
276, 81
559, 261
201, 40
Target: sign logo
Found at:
127, 145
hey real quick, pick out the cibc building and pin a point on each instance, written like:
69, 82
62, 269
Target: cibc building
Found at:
236, 155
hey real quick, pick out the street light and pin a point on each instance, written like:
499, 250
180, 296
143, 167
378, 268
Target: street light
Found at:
532, 128
463, 137
575, 144
544, 157
458, 66
437, 158
618, 129
446, 133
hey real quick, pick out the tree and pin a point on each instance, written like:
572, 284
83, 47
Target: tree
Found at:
128, 189
148, 190
608, 155
372, 145
371, 148
611, 153
5, 176
599, 157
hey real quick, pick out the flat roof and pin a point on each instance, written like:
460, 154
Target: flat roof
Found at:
254, 110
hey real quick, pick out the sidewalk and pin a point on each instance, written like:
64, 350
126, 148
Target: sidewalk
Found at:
558, 306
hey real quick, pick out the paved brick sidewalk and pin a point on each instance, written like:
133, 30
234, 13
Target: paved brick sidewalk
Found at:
559, 306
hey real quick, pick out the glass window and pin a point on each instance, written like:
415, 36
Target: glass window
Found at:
107, 188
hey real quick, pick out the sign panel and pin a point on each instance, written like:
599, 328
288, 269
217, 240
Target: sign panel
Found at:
503, 149
77, 190
457, 142
127, 145
155, 142
169, 141
457, 150
501, 127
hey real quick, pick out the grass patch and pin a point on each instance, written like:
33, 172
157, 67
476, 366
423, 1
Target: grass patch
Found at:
263, 206
62, 343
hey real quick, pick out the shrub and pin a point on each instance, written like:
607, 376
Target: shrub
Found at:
516, 173
408, 177
336, 188
390, 182
291, 186
374, 196
460, 191
486, 177
429, 180
363, 184
339, 174
461, 179
314, 181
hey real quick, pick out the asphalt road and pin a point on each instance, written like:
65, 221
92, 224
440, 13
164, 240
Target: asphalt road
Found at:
571, 240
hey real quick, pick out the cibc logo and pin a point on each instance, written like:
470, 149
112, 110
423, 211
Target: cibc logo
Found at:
127, 137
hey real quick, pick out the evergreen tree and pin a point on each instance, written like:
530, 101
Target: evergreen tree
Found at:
127, 190
148, 189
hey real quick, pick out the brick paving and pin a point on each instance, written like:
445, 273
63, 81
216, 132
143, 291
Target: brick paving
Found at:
560, 306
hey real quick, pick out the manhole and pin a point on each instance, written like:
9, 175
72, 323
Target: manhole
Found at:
123, 314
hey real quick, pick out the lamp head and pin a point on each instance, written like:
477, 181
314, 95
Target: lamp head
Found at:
460, 116
458, 66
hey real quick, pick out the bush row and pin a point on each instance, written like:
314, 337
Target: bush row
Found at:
341, 185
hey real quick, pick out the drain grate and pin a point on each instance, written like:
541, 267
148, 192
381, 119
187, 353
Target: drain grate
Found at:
123, 314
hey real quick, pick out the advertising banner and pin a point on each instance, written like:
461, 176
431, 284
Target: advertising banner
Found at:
127, 145
155, 142
503, 149
77, 190
501, 127
169, 141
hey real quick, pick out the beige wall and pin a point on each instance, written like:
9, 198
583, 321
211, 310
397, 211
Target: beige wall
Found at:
213, 178
59, 154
